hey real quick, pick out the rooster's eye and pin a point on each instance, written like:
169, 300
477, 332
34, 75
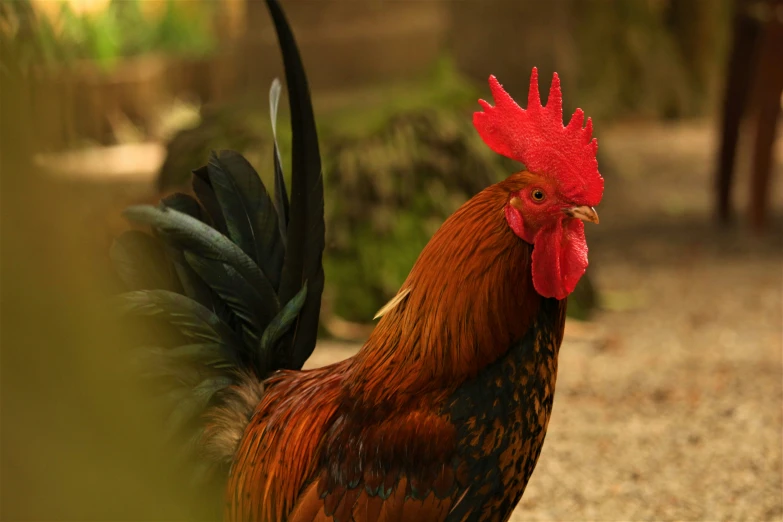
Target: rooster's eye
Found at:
538, 195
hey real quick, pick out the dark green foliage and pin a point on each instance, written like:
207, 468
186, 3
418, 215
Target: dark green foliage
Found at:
396, 186
583, 300
650, 59
121, 30
190, 148
618, 59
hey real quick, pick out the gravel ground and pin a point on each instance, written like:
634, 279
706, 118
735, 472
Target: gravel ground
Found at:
669, 402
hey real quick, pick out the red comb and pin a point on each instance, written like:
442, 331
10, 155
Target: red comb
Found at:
537, 138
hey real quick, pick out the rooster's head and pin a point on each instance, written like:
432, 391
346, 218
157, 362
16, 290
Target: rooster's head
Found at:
549, 201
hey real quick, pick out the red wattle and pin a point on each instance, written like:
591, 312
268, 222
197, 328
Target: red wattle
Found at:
559, 258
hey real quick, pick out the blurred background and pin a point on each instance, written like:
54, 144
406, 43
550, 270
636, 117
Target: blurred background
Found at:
671, 385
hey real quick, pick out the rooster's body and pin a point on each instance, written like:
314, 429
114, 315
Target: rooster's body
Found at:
442, 414
444, 409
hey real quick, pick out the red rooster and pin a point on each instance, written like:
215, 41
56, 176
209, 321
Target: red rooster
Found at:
442, 414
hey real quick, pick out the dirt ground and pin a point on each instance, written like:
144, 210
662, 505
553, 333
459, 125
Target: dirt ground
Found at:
669, 402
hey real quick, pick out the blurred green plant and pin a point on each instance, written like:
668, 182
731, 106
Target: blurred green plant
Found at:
243, 124
657, 59
649, 58
388, 192
618, 59
71, 415
121, 30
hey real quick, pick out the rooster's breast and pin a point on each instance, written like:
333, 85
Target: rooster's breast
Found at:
501, 417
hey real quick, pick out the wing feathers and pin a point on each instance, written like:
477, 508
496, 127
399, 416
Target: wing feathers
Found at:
356, 505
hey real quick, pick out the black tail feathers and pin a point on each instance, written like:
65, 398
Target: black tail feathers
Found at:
234, 276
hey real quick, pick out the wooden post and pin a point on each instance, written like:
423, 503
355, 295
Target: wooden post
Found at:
754, 75
769, 89
739, 75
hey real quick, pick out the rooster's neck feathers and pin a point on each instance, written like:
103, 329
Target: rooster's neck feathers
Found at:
468, 297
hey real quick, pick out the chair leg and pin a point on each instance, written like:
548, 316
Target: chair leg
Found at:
738, 83
770, 88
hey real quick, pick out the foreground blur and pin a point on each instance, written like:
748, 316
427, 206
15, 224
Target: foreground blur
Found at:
78, 440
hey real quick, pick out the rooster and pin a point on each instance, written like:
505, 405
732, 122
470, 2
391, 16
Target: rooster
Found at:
442, 414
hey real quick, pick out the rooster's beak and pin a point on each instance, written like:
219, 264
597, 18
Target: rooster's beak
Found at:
584, 213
